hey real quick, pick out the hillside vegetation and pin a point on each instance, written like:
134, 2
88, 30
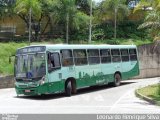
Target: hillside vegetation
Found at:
6, 50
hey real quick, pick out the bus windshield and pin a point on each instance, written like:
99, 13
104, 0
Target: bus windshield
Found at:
30, 66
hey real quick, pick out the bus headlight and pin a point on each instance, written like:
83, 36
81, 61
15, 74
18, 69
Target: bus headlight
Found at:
41, 82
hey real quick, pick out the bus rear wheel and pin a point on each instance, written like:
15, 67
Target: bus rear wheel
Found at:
68, 89
117, 80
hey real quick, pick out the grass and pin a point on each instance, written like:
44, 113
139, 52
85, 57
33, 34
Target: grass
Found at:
152, 91
8, 49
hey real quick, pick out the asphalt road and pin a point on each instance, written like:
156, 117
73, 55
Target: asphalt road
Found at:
101, 99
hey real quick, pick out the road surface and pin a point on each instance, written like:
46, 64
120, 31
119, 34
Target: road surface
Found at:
101, 99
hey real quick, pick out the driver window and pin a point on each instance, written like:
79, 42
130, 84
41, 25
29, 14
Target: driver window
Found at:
54, 60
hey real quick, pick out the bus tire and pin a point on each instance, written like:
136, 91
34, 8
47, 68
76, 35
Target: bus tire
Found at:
117, 80
74, 88
68, 89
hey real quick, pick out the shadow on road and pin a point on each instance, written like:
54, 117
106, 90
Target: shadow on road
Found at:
143, 103
79, 92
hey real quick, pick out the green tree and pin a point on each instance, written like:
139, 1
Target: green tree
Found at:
147, 5
56, 11
152, 19
73, 18
112, 10
83, 5
3, 5
50, 10
6, 8
22, 9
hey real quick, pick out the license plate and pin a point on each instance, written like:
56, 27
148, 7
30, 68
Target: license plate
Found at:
27, 91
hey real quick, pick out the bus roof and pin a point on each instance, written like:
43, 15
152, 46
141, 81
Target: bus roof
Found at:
82, 46
42, 48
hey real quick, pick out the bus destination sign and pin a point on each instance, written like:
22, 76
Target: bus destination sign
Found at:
32, 49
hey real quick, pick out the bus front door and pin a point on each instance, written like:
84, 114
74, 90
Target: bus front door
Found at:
54, 72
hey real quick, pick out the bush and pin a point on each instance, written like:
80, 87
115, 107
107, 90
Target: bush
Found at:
113, 42
58, 40
79, 35
125, 29
98, 34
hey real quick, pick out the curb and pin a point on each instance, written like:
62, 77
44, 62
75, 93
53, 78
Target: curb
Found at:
148, 99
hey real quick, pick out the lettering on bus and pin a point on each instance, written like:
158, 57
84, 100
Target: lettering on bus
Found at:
33, 49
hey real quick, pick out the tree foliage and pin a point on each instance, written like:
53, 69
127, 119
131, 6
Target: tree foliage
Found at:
83, 5
6, 8
73, 17
55, 11
113, 10
69, 14
107, 8
22, 9
152, 19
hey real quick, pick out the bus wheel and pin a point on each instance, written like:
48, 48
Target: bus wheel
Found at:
117, 80
74, 89
68, 89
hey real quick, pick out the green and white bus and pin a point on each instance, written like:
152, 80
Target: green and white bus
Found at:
47, 69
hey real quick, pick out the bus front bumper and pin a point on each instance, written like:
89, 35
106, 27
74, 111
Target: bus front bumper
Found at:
31, 91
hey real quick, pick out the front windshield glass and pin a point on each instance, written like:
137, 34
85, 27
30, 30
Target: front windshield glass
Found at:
30, 65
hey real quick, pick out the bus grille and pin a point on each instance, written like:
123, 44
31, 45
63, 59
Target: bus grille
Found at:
23, 86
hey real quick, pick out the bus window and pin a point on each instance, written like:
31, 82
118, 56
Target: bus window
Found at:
54, 60
124, 55
80, 57
115, 55
133, 54
67, 58
105, 56
93, 56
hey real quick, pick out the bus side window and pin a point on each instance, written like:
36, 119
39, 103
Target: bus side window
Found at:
54, 60
116, 55
93, 56
67, 58
125, 55
80, 57
133, 54
105, 56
